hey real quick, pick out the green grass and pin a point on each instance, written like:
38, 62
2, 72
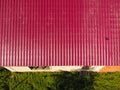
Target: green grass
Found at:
59, 81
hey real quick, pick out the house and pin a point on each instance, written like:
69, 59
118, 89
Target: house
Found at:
43, 33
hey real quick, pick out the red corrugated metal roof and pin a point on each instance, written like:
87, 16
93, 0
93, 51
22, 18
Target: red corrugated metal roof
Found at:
59, 32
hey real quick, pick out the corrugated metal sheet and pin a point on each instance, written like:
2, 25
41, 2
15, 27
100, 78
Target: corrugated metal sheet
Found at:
59, 32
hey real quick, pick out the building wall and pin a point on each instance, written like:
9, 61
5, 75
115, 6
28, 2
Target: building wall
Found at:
55, 68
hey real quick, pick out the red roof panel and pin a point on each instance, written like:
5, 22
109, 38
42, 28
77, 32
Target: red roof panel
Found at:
59, 32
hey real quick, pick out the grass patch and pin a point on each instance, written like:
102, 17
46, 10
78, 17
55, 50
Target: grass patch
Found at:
59, 81
4, 79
